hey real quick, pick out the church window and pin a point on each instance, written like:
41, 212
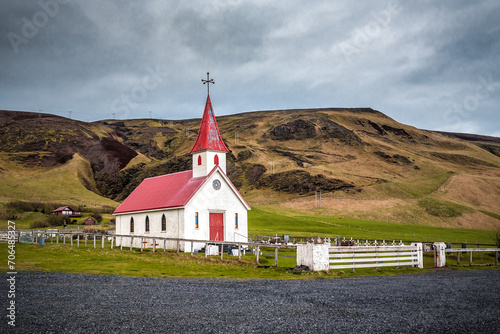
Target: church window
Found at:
147, 224
163, 223
196, 220
131, 224
235, 220
199, 160
216, 159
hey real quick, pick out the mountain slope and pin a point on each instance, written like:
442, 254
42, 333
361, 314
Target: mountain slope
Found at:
366, 164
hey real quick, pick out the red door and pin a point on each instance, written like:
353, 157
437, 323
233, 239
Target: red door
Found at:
217, 226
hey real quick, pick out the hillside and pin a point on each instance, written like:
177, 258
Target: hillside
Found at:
367, 165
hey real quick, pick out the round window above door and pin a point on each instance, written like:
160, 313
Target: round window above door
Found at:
216, 184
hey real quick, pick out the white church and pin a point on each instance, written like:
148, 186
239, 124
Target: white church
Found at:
198, 204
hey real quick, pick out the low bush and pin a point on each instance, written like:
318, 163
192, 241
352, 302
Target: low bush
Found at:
39, 224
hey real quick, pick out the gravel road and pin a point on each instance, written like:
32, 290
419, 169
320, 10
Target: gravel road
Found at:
443, 301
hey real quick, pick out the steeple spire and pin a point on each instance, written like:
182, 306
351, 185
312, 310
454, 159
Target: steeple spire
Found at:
209, 137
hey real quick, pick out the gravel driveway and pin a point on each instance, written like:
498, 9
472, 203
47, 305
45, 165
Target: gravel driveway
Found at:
444, 301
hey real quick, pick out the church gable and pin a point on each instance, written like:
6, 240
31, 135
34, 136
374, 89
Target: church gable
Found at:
215, 190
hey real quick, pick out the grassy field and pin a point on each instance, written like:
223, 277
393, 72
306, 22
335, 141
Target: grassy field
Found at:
269, 221
69, 259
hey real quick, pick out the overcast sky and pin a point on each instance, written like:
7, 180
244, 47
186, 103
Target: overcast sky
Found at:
430, 64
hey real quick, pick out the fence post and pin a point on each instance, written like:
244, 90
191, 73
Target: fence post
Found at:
420, 255
131, 242
470, 258
57, 240
71, 240
257, 252
316, 257
221, 250
86, 240
276, 256
112, 239
154, 245
78, 240
142, 244
102, 239
64, 239
496, 258
239, 251
164, 245
192, 246
121, 243
439, 254
94, 240
458, 258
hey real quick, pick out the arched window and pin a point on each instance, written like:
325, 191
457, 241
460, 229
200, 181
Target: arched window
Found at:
216, 159
147, 224
131, 224
163, 223
199, 160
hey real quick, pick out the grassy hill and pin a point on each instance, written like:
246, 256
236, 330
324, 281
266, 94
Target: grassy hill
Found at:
368, 166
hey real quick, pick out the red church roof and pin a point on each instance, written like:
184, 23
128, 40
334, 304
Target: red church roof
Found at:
165, 191
169, 191
208, 136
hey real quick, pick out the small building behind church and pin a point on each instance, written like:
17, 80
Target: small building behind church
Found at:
198, 204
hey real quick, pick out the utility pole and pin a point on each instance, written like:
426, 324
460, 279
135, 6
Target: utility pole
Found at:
69, 112
316, 198
114, 116
236, 138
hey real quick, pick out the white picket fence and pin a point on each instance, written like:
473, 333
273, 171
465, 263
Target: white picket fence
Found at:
374, 256
324, 257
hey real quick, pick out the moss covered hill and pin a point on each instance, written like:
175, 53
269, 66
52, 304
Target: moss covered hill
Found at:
366, 165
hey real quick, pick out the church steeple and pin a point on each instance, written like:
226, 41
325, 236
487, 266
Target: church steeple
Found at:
209, 149
208, 136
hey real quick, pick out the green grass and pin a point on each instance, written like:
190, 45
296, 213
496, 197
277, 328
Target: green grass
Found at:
491, 214
444, 209
271, 223
64, 258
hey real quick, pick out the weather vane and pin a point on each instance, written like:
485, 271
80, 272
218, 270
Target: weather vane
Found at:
208, 82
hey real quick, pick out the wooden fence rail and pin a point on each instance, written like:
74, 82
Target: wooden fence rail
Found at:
75, 237
471, 250
373, 256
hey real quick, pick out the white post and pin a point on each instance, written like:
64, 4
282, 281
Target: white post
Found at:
420, 254
440, 254
316, 257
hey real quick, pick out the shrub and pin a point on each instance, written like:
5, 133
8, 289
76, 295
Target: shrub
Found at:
54, 220
97, 216
39, 224
496, 238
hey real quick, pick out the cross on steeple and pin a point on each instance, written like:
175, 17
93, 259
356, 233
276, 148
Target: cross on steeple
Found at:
208, 82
